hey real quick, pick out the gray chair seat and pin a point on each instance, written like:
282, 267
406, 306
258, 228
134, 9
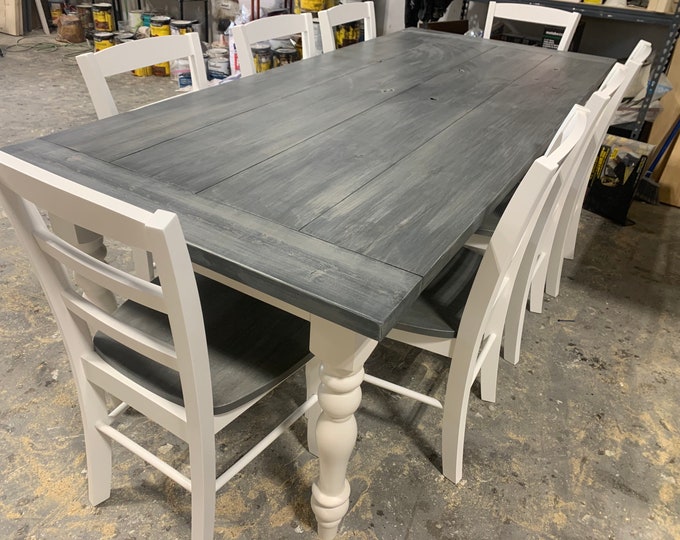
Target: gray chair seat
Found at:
438, 310
245, 359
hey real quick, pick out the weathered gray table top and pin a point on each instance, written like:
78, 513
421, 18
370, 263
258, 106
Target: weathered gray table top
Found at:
343, 183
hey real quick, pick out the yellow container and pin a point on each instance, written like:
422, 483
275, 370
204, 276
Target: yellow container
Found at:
102, 15
160, 26
262, 56
102, 40
312, 5
143, 71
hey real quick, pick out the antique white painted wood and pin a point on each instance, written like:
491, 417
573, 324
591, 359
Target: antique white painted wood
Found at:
472, 340
534, 14
542, 268
304, 188
343, 14
568, 230
532, 271
245, 35
190, 364
96, 67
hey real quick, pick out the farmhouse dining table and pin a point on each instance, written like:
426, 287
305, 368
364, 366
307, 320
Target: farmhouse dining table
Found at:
337, 187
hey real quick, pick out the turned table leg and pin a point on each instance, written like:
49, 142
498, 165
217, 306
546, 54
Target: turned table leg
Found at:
342, 354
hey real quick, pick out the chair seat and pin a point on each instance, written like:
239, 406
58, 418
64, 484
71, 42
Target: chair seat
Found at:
438, 310
245, 359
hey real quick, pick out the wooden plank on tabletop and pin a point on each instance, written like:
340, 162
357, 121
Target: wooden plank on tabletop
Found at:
245, 139
163, 121
295, 186
438, 190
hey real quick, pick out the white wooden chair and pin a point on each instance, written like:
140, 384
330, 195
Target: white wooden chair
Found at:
541, 270
462, 312
245, 35
96, 67
533, 270
187, 352
534, 14
568, 229
343, 14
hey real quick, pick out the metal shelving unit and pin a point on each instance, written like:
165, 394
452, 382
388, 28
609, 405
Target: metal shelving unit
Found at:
663, 56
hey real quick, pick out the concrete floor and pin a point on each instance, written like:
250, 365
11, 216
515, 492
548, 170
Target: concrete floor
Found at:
583, 442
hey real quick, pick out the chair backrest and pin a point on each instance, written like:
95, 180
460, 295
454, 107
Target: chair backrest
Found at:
96, 67
26, 190
534, 14
632, 67
612, 89
343, 14
484, 315
245, 35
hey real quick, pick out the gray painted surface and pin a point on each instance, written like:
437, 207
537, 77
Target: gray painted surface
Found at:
343, 183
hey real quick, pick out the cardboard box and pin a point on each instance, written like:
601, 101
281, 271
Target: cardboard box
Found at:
669, 183
618, 168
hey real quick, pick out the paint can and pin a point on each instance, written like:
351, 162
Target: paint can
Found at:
103, 40
56, 11
135, 19
218, 63
84, 11
160, 26
122, 37
146, 71
102, 15
285, 55
312, 5
146, 18
178, 27
262, 56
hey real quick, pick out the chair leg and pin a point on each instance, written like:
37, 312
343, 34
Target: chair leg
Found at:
313, 379
97, 445
554, 274
537, 287
561, 244
569, 247
514, 319
453, 423
514, 322
489, 373
203, 474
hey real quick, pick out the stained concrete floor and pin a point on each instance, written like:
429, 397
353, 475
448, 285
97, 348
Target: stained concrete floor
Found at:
583, 442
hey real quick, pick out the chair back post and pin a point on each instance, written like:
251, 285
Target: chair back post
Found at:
267, 28
96, 67
486, 308
343, 14
615, 85
537, 15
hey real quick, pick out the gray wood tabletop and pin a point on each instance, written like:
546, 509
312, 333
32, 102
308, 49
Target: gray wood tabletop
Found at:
343, 183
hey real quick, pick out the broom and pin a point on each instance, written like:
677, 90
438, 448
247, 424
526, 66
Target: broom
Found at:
648, 188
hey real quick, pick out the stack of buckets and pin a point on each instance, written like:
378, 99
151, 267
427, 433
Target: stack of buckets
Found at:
101, 23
